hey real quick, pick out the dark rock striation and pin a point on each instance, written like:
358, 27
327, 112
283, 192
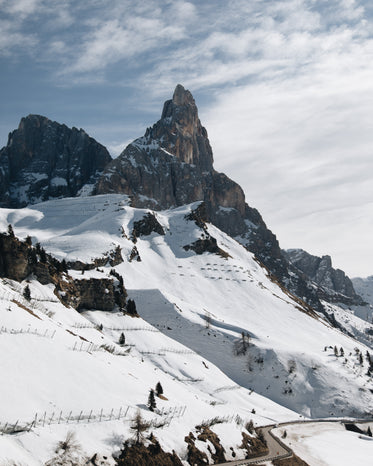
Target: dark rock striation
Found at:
333, 284
44, 159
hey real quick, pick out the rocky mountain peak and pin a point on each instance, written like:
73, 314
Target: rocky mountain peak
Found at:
44, 159
179, 131
181, 98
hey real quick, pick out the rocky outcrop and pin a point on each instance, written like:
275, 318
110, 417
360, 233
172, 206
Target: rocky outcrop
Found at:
334, 285
111, 258
44, 159
94, 293
206, 245
19, 260
147, 225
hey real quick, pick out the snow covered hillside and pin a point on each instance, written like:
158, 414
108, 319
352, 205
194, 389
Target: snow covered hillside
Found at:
220, 336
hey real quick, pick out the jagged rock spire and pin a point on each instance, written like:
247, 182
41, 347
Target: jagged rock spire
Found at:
181, 132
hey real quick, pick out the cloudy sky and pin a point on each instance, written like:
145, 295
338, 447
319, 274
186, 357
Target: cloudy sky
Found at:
284, 88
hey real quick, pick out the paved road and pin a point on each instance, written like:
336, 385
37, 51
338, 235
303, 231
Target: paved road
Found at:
276, 450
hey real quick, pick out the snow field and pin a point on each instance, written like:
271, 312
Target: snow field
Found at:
193, 311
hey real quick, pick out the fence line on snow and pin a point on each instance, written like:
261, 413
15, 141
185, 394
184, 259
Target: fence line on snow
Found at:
59, 417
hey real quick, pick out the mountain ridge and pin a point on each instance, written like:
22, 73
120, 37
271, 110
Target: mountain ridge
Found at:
172, 165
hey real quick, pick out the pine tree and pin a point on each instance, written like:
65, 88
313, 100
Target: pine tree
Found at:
151, 400
360, 359
369, 432
28, 240
336, 351
27, 293
261, 437
159, 389
250, 426
131, 307
10, 230
122, 339
64, 266
341, 351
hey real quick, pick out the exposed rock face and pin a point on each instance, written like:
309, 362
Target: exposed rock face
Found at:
206, 245
44, 159
112, 258
334, 284
14, 258
172, 165
96, 293
18, 260
147, 225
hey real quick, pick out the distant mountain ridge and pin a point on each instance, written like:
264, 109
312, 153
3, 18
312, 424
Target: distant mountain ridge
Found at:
44, 159
335, 285
364, 287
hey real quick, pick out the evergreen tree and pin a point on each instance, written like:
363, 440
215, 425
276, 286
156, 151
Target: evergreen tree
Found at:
360, 359
10, 230
28, 240
27, 293
336, 351
151, 400
250, 426
341, 351
131, 307
159, 389
32, 257
64, 266
122, 339
369, 432
261, 437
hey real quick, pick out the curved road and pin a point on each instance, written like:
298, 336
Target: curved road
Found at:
277, 449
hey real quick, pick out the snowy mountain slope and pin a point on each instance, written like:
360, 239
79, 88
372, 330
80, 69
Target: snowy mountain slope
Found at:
182, 293
64, 373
